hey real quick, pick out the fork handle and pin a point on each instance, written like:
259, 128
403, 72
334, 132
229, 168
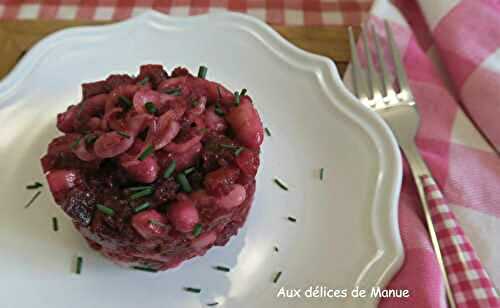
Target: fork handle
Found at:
466, 282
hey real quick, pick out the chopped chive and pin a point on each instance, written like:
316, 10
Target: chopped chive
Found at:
55, 224
228, 146
170, 170
125, 102
90, 139
34, 185
222, 268
268, 132
137, 188
218, 110
197, 230
173, 91
145, 269
144, 81
75, 143
141, 207
156, 223
32, 199
192, 290
150, 107
237, 98
183, 181
142, 193
277, 277
243, 92
123, 134
292, 219
276, 249
202, 72
104, 209
281, 184
238, 151
148, 151
321, 173
212, 304
189, 170
195, 102
79, 263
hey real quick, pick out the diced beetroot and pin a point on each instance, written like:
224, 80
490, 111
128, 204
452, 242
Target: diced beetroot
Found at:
112, 144
233, 199
150, 224
204, 240
66, 120
183, 215
180, 71
248, 161
61, 181
220, 181
114, 81
94, 88
246, 123
143, 171
155, 73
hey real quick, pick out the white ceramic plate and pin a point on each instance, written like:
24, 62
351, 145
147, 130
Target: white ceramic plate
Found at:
346, 233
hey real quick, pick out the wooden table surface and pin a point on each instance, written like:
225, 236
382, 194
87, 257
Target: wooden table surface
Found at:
16, 37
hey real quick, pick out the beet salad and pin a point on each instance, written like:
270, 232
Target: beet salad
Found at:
156, 169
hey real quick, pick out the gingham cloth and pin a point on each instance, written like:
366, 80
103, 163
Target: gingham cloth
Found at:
277, 12
450, 49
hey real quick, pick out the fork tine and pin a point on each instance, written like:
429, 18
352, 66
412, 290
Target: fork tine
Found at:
358, 81
400, 70
388, 90
373, 75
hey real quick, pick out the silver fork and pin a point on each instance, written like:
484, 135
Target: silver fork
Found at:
399, 111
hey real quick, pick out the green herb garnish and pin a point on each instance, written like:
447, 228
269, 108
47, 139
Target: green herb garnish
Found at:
202, 72
142, 193
145, 269
150, 107
268, 132
79, 264
32, 199
173, 91
238, 151
125, 102
141, 207
148, 151
34, 185
277, 277
183, 181
228, 146
197, 230
292, 219
144, 81
55, 224
90, 139
170, 170
321, 173
75, 143
212, 304
123, 134
281, 184
189, 170
156, 223
276, 249
237, 98
106, 210
192, 290
243, 92
137, 188
218, 110
222, 268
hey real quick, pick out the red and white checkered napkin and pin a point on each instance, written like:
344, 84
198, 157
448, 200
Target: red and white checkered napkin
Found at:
278, 12
451, 95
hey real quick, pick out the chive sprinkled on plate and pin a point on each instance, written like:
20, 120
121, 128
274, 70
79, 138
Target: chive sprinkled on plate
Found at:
281, 184
243, 92
276, 249
150, 107
125, 102
237, 98
238, 151
75, 143
105, 210
192, 290
30, 202
222, 268
170, 170
212, 304
189, 170
138, 188
277, 277
35, 185
142, 193
142, 207
321, 173
197, 230
144, 81
79, 264
123, 134
268, 132
183, 181
292, 219
55, 224
145, 269
202, 72
147, 151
